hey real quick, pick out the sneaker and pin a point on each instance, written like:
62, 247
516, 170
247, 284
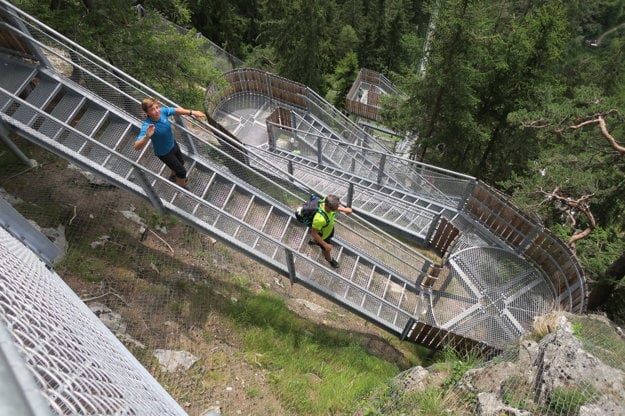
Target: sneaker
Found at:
333, 263
172, 178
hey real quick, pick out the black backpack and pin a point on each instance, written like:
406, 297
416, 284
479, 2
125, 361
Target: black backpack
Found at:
306, 212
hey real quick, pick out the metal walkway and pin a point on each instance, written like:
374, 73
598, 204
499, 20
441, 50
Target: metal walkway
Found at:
485, 289
379, 278
61, 116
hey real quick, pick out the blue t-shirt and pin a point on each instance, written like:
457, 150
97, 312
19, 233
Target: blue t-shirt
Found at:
163, 138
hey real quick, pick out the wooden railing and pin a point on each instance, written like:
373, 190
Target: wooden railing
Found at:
531, 239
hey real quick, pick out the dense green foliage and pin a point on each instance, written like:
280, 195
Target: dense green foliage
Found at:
494, 88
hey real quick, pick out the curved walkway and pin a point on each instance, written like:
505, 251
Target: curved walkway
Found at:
485, 290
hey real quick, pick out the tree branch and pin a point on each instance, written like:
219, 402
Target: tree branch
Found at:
600, 119
572, 205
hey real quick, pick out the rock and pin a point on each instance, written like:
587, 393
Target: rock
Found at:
128, 340
213, 411
112, 320
415, 379
102, 240
9, 198
488, 404
57, 236
133, 217
558, 372
171, 361
320, 310
92, 178
563, 363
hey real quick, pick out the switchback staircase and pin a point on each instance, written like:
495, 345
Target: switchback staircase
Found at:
95, 128
505, 261
87, 112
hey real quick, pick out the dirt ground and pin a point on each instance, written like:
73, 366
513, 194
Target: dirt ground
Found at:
153, 266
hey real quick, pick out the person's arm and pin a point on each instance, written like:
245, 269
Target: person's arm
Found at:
144, 138
344, 210
194, 113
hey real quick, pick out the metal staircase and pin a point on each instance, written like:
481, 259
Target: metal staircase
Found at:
52, 111
396, 210
399, 175
245, 197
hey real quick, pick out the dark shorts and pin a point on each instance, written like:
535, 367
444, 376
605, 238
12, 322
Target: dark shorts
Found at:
327, 240
175, 161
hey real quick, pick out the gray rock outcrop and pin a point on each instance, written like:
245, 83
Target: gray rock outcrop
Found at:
556, 373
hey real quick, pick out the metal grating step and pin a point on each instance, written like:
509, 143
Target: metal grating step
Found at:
39, 96
64, 105
15, 75
87, 119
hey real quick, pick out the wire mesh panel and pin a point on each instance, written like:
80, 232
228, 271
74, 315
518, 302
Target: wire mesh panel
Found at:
498, 294
79, 364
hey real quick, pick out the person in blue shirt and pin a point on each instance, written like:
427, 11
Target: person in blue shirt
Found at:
157, 129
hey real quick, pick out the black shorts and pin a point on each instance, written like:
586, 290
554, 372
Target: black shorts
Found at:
175, 161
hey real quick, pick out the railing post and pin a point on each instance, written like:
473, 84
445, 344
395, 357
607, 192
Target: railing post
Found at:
407, 329
271, 140
154, 199
4, 136
350, 194
290, 170
187, 135
290, 264
381, 168
352, 167
433, 225
319, 152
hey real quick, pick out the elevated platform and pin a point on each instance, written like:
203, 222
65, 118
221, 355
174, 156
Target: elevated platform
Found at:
498, 268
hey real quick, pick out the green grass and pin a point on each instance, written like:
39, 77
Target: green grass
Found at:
455, 364
517, 392
611, 348
390, 400
567, 402
314, 370
90, 269
45, 214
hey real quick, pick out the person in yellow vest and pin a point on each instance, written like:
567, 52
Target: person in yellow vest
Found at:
322, 228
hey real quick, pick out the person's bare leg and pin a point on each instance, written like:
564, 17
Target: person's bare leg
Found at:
327, 254
181, 181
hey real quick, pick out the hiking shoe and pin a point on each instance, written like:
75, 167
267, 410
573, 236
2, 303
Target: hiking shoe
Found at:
333, 263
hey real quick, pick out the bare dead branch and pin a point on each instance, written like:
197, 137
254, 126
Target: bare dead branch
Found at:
535, 124
164, 242
604, 130
600, 119
580, 204
104, 295
584, 123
